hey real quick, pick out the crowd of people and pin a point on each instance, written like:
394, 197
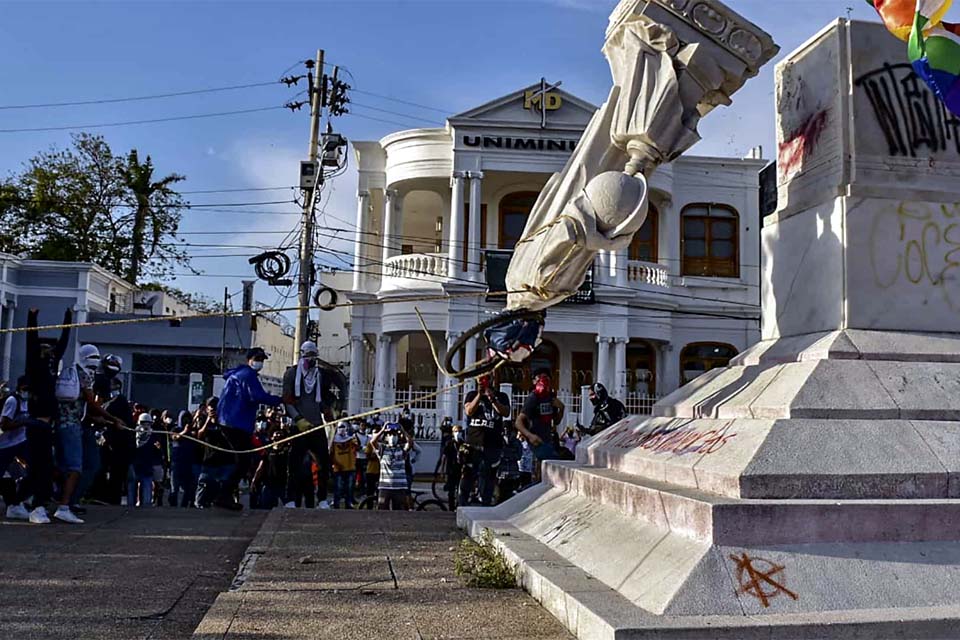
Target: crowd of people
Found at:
69, 434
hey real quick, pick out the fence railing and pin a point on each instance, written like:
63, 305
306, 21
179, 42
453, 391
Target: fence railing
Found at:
640, 403
647, 273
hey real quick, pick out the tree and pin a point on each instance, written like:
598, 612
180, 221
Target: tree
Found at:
85, 204
155, 203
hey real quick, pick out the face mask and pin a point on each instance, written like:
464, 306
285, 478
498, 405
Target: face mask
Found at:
256, 365
542, 387
114, 394
458, 436
309, 363
24, 395
262, 425
342, 433
393, 440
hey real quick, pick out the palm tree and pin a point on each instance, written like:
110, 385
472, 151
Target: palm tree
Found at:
155, 204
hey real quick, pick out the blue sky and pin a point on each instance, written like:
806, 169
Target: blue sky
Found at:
447, 54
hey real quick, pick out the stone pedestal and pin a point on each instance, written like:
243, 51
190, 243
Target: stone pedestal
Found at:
811, 489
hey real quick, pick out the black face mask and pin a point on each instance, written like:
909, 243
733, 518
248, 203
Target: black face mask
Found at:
599, 395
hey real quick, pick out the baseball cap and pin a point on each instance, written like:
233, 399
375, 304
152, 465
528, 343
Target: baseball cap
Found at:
256, 352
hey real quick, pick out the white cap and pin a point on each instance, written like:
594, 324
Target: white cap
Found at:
145, 418
309, 348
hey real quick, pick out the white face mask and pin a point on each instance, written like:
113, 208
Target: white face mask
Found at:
458, 436
257, 365
393, 440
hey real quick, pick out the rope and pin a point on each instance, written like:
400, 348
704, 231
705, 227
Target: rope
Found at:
238, 314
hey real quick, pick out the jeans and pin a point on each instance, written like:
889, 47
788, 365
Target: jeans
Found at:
315, 443
270, 496
145, 485
361, 476
91, 465
479, 468
343, 488
70, 447
240, 440
212, 482
183, 477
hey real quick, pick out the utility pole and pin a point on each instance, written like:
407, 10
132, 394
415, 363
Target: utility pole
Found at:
223, 332
317, 99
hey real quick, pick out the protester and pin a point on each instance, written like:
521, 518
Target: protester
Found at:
218, 465
485, 408
508, 472
541, 413
392, 447
42, 365
119, 444
570, 440
448, 464
343, 456
241, 398
13, 446
303, 397
184, 471
140, 476
607, 411
270, 479
360, 431
78, 448
372, 470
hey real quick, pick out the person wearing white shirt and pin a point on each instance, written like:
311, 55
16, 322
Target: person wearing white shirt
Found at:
13, 445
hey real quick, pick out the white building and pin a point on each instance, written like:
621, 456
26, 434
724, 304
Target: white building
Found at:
440, 209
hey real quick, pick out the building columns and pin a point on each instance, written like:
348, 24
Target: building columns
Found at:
603, 360
391, 203
668, 376
618, 267
473, 237
357, 360
363, 207
620, 367
381, 385
456, 216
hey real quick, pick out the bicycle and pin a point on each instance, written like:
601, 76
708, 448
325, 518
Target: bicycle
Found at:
419, 503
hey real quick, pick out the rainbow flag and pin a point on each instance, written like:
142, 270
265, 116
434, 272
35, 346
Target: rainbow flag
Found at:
933, 45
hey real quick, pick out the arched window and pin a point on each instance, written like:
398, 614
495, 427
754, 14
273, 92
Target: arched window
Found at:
710, 244
699, 357
645, 241
514, 210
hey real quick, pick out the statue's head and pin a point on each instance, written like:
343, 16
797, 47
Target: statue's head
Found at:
619, 202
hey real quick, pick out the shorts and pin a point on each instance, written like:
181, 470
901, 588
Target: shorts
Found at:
70, 447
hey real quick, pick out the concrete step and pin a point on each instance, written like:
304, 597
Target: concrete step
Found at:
590, 608
719, 520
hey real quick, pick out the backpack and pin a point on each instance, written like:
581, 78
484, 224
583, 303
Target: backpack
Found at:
68, 385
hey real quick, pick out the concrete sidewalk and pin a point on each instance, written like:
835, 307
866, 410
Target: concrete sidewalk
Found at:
365, 575
125, 574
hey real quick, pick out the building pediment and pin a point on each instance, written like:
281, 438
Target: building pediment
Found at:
528, 108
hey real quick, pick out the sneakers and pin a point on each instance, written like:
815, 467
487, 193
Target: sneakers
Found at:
39, 516
290, 505
17, 512
323, 505
64, 514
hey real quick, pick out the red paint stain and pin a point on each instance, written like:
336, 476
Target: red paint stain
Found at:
800, 144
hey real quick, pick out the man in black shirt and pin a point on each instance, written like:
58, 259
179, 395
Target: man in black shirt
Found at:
607, 411
542, 412
485, 409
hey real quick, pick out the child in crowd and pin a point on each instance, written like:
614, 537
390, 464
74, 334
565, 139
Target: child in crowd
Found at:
343, 456
271, 474
146, 454
392, 446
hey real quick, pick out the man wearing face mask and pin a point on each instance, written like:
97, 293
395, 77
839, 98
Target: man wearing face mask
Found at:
485, 409
120, 443
240, 400
607, 411
78, 449
542, 412
304, 387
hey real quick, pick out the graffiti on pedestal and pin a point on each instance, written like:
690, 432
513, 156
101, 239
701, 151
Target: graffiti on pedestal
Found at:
911, 117
927, 251
683, 439
761, 578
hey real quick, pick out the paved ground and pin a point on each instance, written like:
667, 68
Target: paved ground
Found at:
126, 574
349, 575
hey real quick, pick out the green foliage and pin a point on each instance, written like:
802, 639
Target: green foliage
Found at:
85, 204
481, 565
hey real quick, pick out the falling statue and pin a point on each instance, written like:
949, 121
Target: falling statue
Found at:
665, 79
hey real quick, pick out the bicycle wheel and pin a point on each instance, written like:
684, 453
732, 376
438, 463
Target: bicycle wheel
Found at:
370, 503
431, 505
483, 366
433, 488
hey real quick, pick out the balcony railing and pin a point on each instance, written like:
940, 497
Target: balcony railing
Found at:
647, 273
416, 265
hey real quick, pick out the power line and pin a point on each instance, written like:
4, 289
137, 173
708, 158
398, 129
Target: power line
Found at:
174, 94
135, 122
395, 113
237, 190
398, 100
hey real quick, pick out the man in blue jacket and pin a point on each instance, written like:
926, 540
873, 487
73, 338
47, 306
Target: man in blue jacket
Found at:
240, 400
